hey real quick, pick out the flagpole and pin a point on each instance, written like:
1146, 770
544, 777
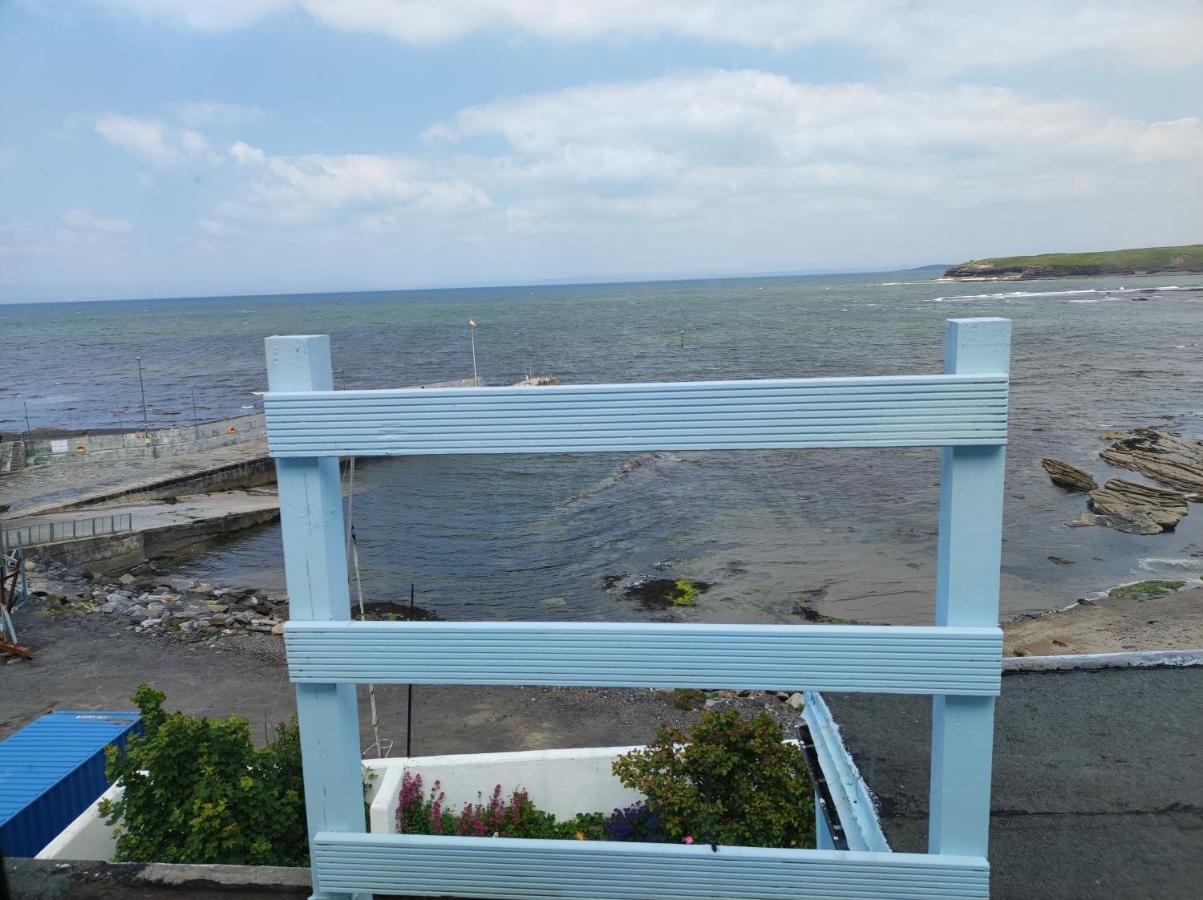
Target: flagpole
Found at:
472, 338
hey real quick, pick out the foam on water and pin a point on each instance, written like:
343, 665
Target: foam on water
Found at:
1154, 564
1009, 295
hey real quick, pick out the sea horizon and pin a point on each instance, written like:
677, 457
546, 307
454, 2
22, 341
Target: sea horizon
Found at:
847, 534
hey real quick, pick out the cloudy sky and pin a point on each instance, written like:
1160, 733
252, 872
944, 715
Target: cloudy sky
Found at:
161, 148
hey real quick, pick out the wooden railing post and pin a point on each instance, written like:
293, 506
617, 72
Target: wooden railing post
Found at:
967, 586
315, 567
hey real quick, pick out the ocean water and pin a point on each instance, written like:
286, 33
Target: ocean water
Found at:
848, 533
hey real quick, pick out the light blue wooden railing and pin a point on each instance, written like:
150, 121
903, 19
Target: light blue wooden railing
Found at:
957, 661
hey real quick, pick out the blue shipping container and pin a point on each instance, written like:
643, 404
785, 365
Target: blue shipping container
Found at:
51, 771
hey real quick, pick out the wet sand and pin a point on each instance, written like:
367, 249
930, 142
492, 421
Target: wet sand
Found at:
1109, 625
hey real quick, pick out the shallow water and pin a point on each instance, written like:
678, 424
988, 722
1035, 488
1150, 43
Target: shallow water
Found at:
850, 533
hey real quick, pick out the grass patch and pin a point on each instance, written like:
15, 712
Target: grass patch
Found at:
54, 612
1187, 258
688, 698
1145, 590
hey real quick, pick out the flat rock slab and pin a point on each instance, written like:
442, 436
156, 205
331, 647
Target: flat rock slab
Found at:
1069, 476
1136, 508
1168, 458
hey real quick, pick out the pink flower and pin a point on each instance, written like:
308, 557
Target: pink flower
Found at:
689, 838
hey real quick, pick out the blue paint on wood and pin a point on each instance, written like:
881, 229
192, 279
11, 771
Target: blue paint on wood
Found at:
516, 869
958, 660
967, 585
861, 658
890, 411
853, 803
315, 569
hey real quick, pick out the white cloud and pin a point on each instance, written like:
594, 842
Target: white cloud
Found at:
146, 138
246, 154
721, 138
152, 140
314, 187
938, 35
216, 114
84, 221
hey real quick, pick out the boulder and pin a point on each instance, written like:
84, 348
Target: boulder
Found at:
127, 578
1161, 456
1068, 475
1137, 508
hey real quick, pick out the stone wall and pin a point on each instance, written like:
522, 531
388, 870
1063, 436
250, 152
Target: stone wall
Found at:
134, 445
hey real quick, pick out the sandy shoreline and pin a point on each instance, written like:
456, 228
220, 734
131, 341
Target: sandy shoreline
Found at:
1112, 625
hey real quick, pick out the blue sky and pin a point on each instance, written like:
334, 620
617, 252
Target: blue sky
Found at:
159, 148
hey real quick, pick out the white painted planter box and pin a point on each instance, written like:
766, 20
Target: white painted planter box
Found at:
87, 837
564, 782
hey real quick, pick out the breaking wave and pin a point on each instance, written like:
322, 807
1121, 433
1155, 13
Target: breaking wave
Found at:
1106, 293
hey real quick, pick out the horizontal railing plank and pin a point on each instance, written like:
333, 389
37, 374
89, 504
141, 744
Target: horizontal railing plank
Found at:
857, 658
504, 868
893, 411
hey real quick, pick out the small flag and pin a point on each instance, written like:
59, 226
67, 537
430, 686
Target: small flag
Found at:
471, 323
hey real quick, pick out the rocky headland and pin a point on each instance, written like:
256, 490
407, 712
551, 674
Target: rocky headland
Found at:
1143, 261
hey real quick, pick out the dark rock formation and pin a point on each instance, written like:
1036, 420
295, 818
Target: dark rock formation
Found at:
1068, 475
1161, 456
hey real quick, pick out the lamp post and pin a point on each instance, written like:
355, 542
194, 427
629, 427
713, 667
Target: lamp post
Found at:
145, 419
472, 339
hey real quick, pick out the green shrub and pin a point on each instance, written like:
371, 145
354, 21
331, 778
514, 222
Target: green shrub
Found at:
197, 791
730, 781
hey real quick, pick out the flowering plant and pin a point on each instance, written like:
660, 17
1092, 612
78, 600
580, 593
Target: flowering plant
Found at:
420, 812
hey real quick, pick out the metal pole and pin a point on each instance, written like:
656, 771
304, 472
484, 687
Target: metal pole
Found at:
409, 701
27, 428
145, 419
194, 420
472, 338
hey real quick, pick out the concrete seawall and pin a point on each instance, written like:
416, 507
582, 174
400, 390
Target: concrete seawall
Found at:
109, 554
257, 472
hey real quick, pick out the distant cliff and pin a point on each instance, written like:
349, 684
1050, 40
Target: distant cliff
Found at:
1144, 261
